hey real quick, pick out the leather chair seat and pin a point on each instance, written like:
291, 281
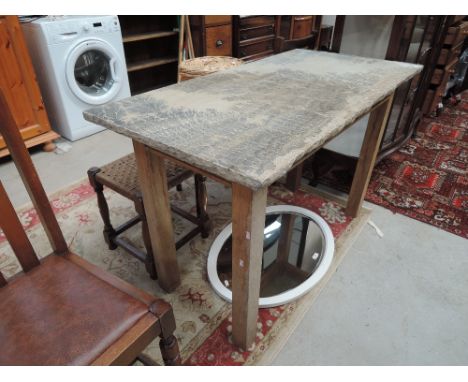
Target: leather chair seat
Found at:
61, 314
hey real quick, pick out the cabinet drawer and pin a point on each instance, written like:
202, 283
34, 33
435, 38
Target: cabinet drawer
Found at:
442, 75
447, 55
260, 47
219, 41
437, 76
249, 33
303, 26
256, 21
217, 20
456, 34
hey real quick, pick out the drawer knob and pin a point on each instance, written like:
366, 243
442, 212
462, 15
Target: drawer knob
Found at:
219, 43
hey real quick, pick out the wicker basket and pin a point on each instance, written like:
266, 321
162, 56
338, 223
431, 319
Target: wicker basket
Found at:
201, 66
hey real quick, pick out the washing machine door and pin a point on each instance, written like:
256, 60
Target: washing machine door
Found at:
94, 71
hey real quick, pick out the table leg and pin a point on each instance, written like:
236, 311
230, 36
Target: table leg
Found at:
370, 146
248, 223
153, 183
293, 177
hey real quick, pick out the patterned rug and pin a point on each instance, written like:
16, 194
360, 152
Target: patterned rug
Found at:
426, 179
203, 319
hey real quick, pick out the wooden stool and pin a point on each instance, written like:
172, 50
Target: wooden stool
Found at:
122, 177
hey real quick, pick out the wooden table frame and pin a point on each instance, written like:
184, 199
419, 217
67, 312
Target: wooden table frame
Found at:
248, 221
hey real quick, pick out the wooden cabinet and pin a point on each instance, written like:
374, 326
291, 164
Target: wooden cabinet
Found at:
451, 45
254, 36
296, 27
211, 35
412, 40
19, 85
151, 46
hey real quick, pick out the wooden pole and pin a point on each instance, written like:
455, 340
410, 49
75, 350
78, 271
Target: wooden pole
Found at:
190, 49
181, 44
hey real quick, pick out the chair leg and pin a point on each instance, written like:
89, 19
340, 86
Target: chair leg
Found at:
201, 198
149, 262
168, 342
170, 350
108, 232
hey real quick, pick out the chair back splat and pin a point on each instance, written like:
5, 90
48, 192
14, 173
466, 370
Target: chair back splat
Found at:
14, 232
27, 171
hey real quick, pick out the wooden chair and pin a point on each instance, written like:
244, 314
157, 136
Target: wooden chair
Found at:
62, 310
122, 177
283, 45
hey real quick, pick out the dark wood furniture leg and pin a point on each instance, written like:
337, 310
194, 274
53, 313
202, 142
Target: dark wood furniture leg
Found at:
300, 255
284, 241
149, 260
201, 198
293, 178
168, 342
109, 231
170, 350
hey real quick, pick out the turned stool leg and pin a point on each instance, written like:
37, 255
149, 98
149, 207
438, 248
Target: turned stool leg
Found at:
201, 198
170, 350
108, 232
149, 262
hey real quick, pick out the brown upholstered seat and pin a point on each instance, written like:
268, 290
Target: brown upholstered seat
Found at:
60, 314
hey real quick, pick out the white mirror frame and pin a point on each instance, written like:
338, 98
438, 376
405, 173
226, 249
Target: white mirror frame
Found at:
291, 294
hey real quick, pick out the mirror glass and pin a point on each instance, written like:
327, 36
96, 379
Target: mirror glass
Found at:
293, 247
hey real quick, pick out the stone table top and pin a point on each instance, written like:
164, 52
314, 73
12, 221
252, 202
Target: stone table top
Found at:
252, 123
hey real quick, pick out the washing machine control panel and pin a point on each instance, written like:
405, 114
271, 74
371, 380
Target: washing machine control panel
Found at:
65, 30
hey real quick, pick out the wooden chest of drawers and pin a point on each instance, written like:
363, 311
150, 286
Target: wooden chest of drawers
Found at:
212, 35
254, 36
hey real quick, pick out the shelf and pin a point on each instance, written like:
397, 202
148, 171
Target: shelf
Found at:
150, 63
148, 36
153, 87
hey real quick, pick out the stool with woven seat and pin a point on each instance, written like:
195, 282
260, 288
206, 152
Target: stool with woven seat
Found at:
121, 176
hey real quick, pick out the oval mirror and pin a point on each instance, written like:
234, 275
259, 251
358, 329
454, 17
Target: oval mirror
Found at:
298, 249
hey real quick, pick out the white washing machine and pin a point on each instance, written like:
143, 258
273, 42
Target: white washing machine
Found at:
79, 63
